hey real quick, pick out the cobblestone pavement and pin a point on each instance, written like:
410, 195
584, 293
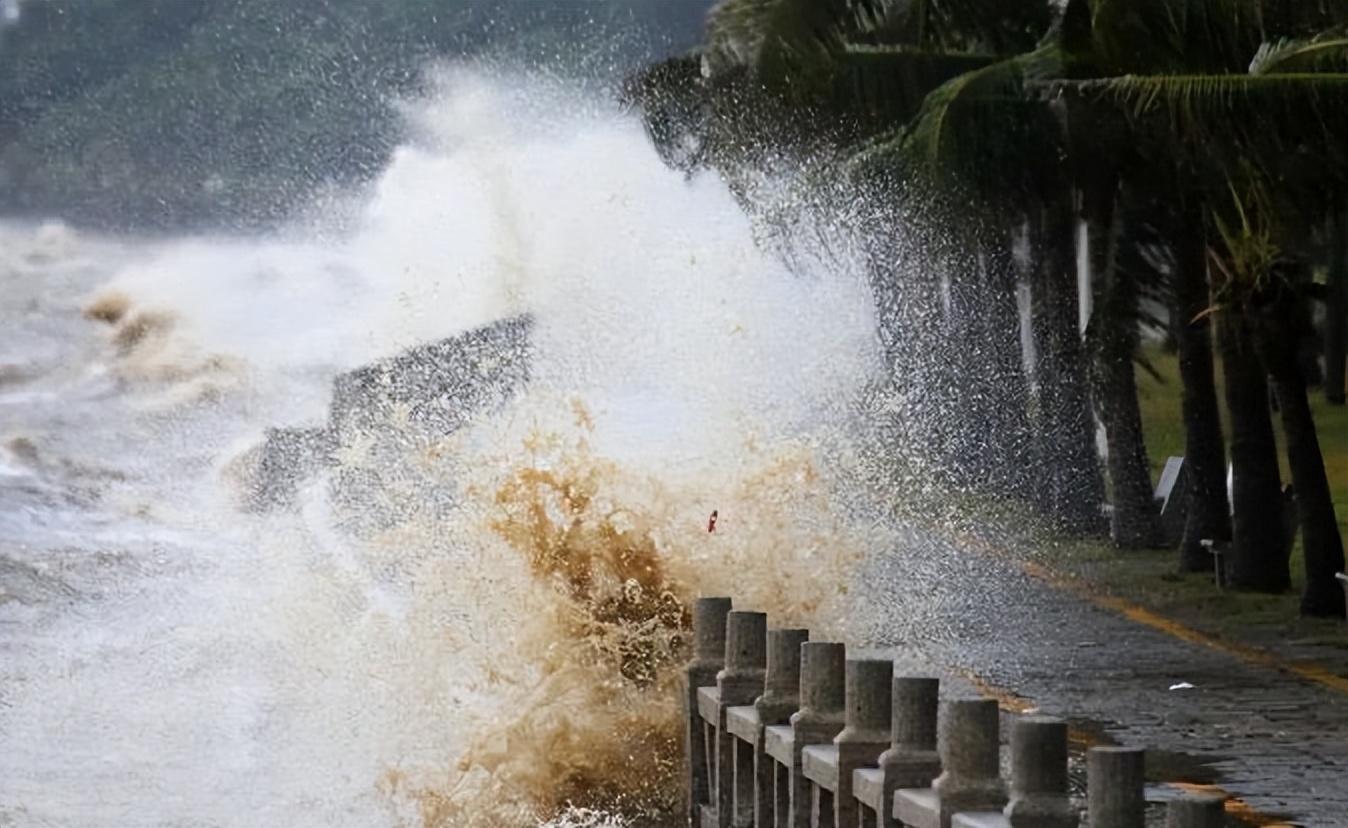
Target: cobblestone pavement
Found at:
1278, 742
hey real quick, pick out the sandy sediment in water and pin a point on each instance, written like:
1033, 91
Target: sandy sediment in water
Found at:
587, 683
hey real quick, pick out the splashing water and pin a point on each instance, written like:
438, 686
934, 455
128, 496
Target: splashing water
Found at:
171, 660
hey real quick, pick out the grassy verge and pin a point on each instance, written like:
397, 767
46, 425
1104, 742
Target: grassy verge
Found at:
1149, 579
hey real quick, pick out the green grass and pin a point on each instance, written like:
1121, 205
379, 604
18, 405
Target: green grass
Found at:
1159, 399
1151, 580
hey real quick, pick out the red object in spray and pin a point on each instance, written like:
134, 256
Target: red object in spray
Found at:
711, 524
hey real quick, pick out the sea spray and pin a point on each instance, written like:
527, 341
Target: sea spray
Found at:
509, 658
585, 704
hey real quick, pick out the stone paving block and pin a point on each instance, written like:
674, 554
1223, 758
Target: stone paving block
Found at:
1282, 763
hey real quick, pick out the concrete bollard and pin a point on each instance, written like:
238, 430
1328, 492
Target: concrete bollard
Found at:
1196, 811
865, 735
867, 701
746, 649
822, 686
739, 683
911, 760
1039, 793
781, 687
709, 634
819, 719
970, 778
709, 630
781, 698
1114, 787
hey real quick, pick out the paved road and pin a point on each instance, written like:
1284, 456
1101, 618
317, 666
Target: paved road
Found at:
1277, 741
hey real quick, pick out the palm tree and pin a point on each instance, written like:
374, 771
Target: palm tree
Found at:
983, 135
1222, 96
1190, 76
800, 81
1336, 308
1208, 515
1253, 114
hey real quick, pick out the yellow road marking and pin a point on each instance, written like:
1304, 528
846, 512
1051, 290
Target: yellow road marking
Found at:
1009, 700
1252, 655
1013, 702
1235, 806
1006, 699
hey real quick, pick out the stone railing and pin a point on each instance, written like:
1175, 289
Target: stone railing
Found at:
784, 732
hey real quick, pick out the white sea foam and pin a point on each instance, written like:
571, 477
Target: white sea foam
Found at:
203, 666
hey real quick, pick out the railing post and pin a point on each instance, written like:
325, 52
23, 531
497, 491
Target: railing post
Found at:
866, 733
1114, 787
781, 698
970, 778
911, 760
820, 718
709, 633
739, 683
1039, 794
1196, 811
781, 687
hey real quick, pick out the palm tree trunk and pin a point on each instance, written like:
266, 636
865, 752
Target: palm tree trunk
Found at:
1336, 310
972, 450
1277, 338
908, 319
1258, 560
1009, 426
1135, 522
1071, 489
1204, 451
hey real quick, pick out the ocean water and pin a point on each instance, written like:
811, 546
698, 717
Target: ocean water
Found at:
170, 658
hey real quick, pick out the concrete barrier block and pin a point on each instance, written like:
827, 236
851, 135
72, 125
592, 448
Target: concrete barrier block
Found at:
912, 760
1114, 787
781, 685
780, 699
738, 684
819, 719
970, 778
866, 731
1196, 811
709, 632
1039, 793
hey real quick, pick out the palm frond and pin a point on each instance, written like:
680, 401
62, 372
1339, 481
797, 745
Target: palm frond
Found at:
788, 45
1246, 246
1290, 130
979, 129
1328, 54
883, 87
1169, 36
1209, 109
960, 25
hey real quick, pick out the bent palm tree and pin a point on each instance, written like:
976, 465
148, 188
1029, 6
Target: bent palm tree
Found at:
1247, 108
